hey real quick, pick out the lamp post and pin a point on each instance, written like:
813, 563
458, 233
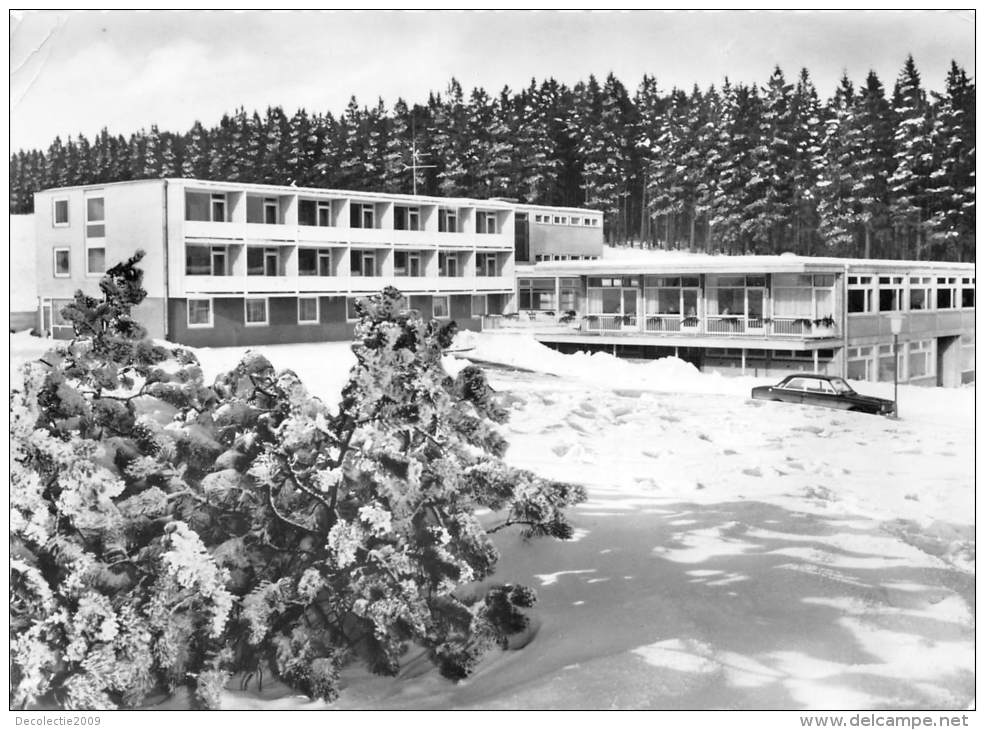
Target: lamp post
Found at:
896, 326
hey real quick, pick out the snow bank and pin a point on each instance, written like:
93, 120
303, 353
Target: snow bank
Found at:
521, 350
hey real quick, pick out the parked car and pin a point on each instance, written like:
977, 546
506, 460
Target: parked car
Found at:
822, 390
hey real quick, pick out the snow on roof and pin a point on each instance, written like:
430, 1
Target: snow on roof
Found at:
617, 258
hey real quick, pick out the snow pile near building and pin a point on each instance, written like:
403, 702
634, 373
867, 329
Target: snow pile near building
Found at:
520, 350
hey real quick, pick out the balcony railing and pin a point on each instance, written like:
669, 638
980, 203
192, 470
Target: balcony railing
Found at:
668, 325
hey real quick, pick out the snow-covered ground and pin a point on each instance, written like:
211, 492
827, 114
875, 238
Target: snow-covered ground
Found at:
732, 554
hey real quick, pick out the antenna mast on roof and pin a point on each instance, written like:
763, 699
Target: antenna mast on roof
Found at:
415, 157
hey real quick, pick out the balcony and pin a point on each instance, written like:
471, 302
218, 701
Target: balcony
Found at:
319, 234
276, 232
214, 230
672, 326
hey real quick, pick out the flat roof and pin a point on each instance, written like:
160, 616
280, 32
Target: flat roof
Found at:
658, 262
493, 203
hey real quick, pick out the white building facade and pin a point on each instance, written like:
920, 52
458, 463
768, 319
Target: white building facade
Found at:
245, 264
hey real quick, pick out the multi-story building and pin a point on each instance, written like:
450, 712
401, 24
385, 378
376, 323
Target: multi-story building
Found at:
760, 314
241, 264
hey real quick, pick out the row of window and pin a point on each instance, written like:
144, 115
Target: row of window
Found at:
256, 310
562, 257
95, 235
567, 220
214, 208
868, 294
270, 261
876, 362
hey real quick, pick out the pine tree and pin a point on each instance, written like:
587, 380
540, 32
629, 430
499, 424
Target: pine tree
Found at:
913, 155
953, 179
535, 155
55, 172
152, 149
301, 149
737, 141
708, 160
665, 173
353, 147
449, 141
838, 209
808, 161
102, 157
16, 179
395, 177
164, 533
273, 141
80, 162
873, 164
195, 161
770, 187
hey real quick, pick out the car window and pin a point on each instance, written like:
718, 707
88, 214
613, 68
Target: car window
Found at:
841, 386
826, 387
795, 384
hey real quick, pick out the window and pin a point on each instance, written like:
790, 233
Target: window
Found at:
407, 263
479, 306
919, 360
308, 310
256, 312
198, 260
406, 219
219, 208
945, 292
537, 294
59, 212
487, 264
206, 261
270, 210
314, 262
439, 307
890, 293
262, 261
921, 290
968, 292
859, 363
885, 363
62, 263
362, 263
859, 294
575, 220
485, 222
219, 267
199, 313
447, 220
96, 260
449, 264
95, 218
315, 213
362, 215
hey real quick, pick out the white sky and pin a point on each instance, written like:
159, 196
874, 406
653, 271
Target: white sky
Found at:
78, 71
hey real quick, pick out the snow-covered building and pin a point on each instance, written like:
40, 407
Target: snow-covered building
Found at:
245, 264
759, 314
242, 264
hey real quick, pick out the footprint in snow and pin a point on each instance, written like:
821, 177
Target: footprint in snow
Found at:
753, 472
808, 429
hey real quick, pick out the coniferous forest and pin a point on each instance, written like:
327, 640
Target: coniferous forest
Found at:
732, 168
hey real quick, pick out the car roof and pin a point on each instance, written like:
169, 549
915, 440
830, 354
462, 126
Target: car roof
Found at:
813, 375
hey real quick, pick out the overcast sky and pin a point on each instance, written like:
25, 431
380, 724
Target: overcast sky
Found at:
78, 71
